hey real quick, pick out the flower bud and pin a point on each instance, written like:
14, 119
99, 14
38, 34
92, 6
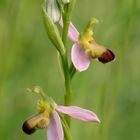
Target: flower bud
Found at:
66, 1
53, 32
53, 10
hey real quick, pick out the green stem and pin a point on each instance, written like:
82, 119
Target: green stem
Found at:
72, 71
67, 98
66, 129
67, 84
66, 21
65, 65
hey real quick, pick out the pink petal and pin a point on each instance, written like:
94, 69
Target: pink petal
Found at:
72, 32
80, 60
78, 113
55, 130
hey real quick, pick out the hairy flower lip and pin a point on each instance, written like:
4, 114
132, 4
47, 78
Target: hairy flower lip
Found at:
38, 121
27, 129
107, 56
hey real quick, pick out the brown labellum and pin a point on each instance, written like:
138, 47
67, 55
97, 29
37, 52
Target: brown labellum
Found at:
39, 121
27, 128
107, 56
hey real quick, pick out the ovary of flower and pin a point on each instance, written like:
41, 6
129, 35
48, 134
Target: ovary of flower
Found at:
85, 48
50, 120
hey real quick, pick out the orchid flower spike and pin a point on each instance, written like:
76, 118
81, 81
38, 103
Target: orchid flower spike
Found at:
85, 48
48, 117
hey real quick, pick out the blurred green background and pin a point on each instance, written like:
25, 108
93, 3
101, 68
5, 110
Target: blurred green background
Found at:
28, 58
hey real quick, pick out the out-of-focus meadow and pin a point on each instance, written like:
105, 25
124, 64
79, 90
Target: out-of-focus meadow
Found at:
28, 58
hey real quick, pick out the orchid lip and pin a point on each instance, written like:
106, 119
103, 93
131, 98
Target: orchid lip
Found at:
27, 129
38, 121
107, 56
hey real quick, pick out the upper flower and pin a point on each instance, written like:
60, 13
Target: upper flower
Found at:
85, 48
49, 119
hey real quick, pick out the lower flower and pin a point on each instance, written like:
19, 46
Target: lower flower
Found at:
48, 118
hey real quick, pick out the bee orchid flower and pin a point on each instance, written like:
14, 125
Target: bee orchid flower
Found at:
48, 117
85, 48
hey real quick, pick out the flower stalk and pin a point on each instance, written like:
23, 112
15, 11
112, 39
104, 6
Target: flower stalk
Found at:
66, 22
68, 72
